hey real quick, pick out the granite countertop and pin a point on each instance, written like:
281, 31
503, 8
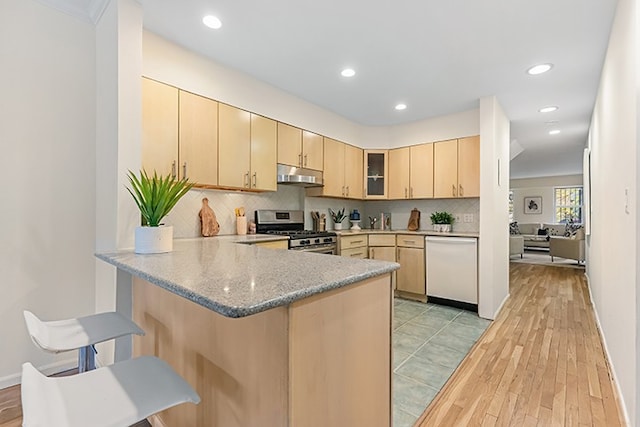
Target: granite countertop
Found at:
418, 233
238, 280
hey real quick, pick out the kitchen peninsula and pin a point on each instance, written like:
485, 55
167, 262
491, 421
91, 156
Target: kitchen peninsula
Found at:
266, 337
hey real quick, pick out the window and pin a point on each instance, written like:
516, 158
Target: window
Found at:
568, 204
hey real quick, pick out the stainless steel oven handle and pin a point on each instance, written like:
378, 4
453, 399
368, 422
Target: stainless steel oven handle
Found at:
324, 249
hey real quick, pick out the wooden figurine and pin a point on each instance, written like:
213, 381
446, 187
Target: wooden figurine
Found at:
208, 223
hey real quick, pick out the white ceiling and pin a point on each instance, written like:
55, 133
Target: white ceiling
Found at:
438, 57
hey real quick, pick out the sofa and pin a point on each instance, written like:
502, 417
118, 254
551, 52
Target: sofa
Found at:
516, 246
536, 235
571, 247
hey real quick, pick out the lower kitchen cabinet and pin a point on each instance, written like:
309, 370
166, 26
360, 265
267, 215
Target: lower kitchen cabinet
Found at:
383, 248
410, 278
353, 246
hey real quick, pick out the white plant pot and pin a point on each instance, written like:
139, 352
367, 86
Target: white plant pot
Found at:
442, 228
154, 240
337, 226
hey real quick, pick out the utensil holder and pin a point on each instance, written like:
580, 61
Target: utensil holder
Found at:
241, 225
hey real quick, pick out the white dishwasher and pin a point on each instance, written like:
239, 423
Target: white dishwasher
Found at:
451, 265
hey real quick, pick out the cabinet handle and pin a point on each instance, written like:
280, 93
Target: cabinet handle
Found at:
405, 192
373, 253
255, 179
411, 192
353, 242
461, 192
347, 191
184, 170
173, 169
246, 179
359, 254
305, 160
453, 190
343, 190
300, 159
409, 241
398, 254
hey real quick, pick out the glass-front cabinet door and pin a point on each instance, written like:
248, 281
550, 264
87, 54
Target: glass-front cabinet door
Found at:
376, 174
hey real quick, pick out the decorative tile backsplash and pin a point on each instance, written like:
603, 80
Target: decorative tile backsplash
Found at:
186, 223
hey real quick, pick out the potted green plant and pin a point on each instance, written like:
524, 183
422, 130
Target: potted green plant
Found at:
155, 196
442, 221
337, 218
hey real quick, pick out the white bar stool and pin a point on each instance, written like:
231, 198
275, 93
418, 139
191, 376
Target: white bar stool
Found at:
114, 396
79, 334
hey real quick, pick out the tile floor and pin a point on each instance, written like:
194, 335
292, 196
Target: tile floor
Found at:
429, 342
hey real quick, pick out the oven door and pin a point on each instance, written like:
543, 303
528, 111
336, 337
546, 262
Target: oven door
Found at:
329, 249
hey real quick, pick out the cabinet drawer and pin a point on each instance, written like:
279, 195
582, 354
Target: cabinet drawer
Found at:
356, 241
382, 240
410, 241
360, 253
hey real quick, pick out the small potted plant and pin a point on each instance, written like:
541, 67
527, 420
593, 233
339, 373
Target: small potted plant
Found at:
442, 221
337, 218
155, 196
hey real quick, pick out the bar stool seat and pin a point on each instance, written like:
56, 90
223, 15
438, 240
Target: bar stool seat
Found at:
114, 396
79, 334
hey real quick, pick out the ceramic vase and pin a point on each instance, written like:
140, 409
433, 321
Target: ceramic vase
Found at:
153, 240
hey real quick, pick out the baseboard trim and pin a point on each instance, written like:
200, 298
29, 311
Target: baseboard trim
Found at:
612, 370
53, 368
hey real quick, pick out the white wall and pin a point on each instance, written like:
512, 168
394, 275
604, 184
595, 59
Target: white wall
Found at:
493, 245
47, 123
542, 187
612, 252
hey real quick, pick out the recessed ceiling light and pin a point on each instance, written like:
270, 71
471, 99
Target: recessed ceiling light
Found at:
554, 132
548, 109
212, 22
401, 107
539, 69
348, 72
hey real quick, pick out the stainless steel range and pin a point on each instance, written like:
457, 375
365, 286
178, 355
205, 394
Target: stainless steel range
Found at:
291, 223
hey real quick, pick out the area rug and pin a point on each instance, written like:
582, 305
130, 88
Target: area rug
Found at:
543, 258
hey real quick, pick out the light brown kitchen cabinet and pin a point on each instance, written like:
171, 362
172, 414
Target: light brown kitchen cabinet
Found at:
421, 171
410, 278
376, 170
457, 168
342, 171
383, 248
353, 246
198, 139
264, 143
411, 172
399, 161
353, 172
234, 141
469, 167
159, 128
300, 148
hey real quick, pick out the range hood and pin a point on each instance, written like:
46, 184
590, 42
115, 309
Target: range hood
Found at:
292, 175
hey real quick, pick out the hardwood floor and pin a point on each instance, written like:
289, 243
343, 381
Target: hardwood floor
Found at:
540, 363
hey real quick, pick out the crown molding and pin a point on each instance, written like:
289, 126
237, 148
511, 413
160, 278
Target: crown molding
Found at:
86, 10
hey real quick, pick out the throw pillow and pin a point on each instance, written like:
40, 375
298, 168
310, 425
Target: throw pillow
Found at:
543, 231
571, 229
513, 228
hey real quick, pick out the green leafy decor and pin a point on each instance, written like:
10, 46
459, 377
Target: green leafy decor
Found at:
337, 217
442, 218
156, 195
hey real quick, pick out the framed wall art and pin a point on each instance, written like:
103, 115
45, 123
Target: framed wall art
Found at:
533, 205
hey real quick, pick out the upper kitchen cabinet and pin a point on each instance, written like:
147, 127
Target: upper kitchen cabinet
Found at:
342, 171
264, 142
159, 128
376, 182
198, 139
234, 141
399, 159
411, 172
247, 149
457, 168
300, 148
469, 167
